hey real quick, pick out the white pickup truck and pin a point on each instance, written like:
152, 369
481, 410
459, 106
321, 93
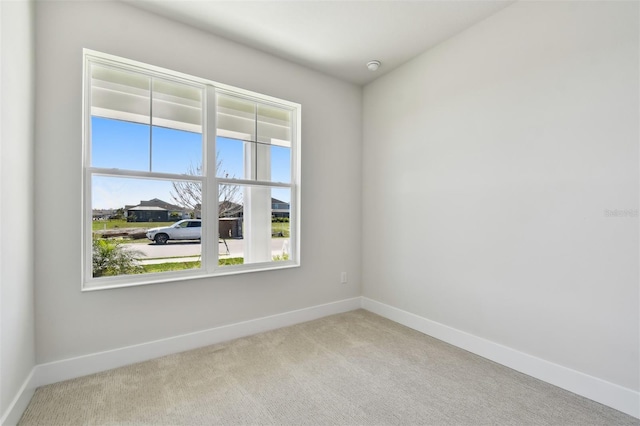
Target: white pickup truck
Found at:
188, 229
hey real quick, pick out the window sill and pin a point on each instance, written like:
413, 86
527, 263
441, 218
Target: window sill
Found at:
169, 277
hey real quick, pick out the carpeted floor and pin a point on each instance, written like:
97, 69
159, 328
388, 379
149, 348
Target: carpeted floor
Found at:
349, 369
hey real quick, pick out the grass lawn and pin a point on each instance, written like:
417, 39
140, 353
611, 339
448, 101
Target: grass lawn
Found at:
100, 225
180, 266
280, 228
277, 228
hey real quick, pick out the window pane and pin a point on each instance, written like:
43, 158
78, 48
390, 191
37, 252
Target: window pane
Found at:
138, 228
240, 154
176, 151
188, 194
280, 164
259, 230
280, 224
177, 128
119, 144
274, 125
234, 158
230, 158
120, 95
177, 106
236, 118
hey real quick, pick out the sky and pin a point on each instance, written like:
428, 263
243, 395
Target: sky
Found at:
125, 145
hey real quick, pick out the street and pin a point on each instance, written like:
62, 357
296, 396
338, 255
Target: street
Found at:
181, 249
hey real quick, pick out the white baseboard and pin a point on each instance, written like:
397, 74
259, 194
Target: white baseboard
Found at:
612, 395
617, 397
20, 402
71, 368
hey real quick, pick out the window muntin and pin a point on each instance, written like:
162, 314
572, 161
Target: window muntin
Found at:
255, 138
137, 120
150, 132
140, 97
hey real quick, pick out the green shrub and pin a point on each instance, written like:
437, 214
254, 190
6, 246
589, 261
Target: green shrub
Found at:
110, 258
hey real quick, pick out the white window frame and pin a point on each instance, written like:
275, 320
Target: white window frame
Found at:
210, 182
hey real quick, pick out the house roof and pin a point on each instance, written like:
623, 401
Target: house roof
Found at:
147, 208
156, 202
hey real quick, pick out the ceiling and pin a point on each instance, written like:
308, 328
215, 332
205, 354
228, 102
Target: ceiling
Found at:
334, 37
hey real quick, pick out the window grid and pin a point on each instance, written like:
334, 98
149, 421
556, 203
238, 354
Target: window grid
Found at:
209, 181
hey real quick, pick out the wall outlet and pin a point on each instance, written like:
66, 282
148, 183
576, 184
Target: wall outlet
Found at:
343, 278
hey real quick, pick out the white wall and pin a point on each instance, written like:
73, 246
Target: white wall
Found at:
490, 163
17, 341
70, 323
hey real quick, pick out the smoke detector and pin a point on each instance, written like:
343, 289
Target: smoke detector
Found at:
373, 65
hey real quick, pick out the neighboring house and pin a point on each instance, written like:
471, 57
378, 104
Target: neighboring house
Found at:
102, 214
279, 208
228, 208
231, 209
154, 210
157, 210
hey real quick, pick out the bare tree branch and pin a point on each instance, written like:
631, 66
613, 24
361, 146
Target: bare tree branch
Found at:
188, 194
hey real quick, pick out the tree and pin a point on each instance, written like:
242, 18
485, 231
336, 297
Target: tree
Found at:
188, 194
118, 214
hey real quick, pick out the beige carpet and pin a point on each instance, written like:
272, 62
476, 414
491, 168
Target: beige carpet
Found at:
350, 369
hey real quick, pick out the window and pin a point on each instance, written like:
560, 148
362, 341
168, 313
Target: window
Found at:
202, 179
